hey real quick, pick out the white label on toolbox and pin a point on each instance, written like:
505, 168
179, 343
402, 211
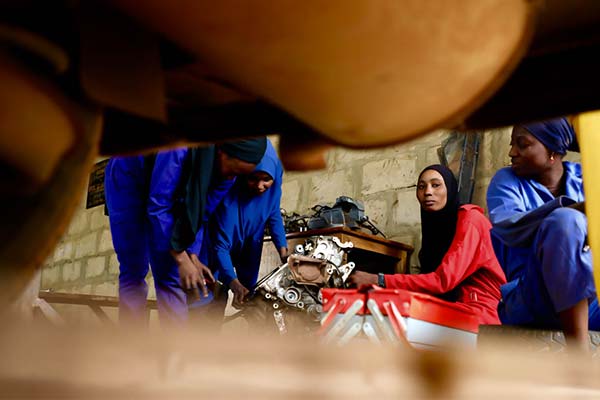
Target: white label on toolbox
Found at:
425, 334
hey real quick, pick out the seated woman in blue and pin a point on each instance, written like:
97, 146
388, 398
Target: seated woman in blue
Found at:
239, 225
539, 234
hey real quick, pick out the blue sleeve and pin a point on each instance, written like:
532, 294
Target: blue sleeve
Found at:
164, 182
512, 223
226, 219
197, 245
277, 228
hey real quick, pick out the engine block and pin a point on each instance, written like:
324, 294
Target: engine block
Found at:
294, 287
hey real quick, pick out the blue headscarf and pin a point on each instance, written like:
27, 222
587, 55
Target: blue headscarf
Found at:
556, 134
254, 217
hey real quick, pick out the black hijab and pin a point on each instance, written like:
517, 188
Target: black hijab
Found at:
438, 227
198, 174
250, 150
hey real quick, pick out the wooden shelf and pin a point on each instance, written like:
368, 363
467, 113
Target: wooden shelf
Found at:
363, 241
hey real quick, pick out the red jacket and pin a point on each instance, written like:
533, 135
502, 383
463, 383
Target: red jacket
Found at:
470, 266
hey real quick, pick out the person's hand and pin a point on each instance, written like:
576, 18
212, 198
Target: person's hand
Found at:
189, 274
239, 293
205, 273
283, 254
579, 206
361, 278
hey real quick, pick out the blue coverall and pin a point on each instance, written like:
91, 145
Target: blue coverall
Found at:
240, 225
541, 245
141, 206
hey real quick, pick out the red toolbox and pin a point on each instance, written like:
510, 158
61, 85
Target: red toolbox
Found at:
396, 316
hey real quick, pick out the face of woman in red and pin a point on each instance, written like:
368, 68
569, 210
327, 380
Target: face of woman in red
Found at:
431, 191
529, 157
259, 182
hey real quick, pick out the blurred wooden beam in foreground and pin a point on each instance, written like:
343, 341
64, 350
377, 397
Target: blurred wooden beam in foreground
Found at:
63, 363
587, 126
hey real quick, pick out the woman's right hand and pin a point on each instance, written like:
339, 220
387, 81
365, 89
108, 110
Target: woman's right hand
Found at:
190, 276
283, 254
239, 293
360, 278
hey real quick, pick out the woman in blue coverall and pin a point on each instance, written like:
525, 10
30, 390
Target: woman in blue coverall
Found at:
540, 231
158, 207
240, 223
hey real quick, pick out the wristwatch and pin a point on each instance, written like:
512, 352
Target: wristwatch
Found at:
381, 280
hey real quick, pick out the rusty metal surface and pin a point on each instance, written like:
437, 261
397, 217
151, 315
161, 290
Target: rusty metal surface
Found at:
120, 64
365, 74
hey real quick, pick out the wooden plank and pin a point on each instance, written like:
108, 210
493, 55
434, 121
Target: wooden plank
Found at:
101, 314
116, 364
48, 312
86, 299
21, 308
352, 233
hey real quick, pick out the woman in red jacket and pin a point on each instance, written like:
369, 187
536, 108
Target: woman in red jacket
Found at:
458, 263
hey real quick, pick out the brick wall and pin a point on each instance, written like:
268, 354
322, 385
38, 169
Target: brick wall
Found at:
385, 180
84, 261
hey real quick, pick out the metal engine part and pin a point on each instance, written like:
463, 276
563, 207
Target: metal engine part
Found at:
309, 270
293, 287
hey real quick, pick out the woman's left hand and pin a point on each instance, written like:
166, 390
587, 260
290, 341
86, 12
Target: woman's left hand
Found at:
239, 293
283, 254
361, 278
580, 206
